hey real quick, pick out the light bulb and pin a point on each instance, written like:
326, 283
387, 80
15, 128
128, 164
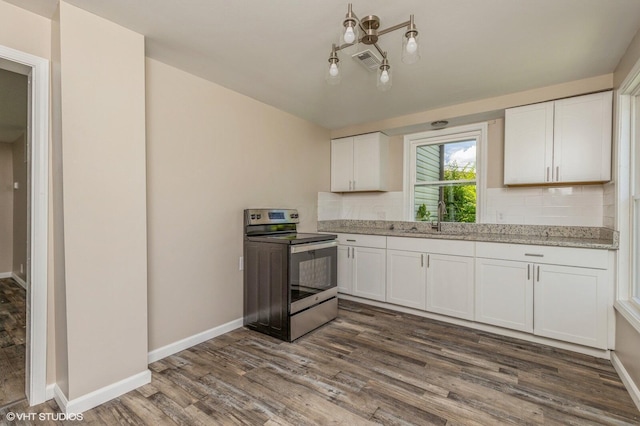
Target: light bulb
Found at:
384, 77
412, 45
349, 35
333, 70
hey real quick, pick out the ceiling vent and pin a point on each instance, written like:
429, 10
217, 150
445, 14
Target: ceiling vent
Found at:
367, 59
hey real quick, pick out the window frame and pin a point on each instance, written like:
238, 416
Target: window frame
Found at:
627, 190
477, 131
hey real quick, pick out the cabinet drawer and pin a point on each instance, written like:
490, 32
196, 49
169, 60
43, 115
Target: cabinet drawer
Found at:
375, 241
586, 258
428, 245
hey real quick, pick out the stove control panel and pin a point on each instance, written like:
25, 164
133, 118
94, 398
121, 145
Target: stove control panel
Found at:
270, 216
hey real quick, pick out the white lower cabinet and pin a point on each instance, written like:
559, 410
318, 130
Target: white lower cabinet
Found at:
362, 266
566, 299
424, 274
552, 292
406, 278
369, 272
450, 282
345, 270
571, 304
504, 294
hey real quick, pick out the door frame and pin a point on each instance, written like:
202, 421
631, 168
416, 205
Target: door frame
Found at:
37, 69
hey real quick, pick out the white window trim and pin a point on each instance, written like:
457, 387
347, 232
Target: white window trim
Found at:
624, 156
477, 131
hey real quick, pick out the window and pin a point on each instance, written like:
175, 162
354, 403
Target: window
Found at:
443, 171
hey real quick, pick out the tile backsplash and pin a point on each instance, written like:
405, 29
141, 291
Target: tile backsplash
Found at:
580, 205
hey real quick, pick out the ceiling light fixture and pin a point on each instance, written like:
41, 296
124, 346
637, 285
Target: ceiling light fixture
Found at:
369, 26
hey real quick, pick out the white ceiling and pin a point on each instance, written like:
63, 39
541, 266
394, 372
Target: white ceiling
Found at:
276, 51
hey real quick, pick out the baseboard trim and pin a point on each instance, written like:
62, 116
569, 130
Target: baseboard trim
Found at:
50, 391
196, 339
100, 396
19, 280
5, 275
628, 382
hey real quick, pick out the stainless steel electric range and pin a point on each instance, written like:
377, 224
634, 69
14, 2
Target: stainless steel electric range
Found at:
290, 284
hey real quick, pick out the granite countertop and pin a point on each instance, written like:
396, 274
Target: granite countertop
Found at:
558, 236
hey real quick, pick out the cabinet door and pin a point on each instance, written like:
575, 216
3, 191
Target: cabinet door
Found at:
571, 304
369, 274
369, 152
504, 293
450, 285
582, 138
345, 270
528, 144
406, 278
341, 164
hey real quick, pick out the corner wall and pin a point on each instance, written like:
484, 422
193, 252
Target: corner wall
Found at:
104, 201
20, 213
211, 153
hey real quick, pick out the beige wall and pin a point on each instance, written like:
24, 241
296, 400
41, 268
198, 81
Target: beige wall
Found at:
498, 103
211, 153
19, 208
24, 31
628, 347
495, 156
6, 208
104, 200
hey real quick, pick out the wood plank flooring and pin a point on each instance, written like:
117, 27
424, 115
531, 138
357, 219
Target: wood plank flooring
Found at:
13, 310
370, 366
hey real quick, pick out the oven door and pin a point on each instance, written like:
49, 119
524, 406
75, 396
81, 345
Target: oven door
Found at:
312, 274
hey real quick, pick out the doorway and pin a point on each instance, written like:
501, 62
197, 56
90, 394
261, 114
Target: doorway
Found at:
36, 70
14, 228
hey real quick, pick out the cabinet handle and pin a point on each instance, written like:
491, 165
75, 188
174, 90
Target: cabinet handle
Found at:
353, 252
422, 260
349, 185
547, 178
348, 254
538, 273
354, 185
528, 271
351, 241
428, 260
534, 254
557, 173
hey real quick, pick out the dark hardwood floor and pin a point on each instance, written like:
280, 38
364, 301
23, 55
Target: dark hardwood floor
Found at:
13, 310
370, 366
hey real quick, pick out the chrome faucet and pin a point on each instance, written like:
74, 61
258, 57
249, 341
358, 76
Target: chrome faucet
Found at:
442, 209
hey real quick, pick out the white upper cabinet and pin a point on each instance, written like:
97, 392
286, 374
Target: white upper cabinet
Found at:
564, 141
359, 163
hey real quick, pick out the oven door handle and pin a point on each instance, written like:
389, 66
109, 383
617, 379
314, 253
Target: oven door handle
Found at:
312, 246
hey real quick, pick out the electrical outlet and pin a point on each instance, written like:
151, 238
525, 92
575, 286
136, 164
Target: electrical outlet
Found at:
241, 263
500, 217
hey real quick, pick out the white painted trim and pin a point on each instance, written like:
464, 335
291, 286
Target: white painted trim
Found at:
50, 392
5, 275
481, 164
100, 396
629, 312
19, 280
598, 353
37, 294
628, 382
196, 339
